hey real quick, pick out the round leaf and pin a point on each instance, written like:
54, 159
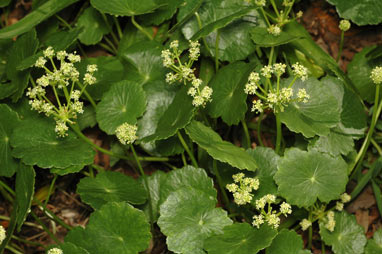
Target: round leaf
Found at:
305, 176
125, 7
36, 143
334, 143
94, 26
111, 186
124, 102
240, 238
72, 249
115, 228
188, 217
8, 122
286, 242
374, 246
347, 238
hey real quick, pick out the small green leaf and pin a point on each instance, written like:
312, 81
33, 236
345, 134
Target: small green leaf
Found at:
36, 143
124, 102
220, 150
228, 97
88, 118
303, 177
188, 217
34, 18
125, 8
374, 246
72, 249
94, 25
318, 115
114, 228
68, 170
9, 120
165, 12
286, 242
334, 143
360, 12
240, 238
347, 238
4, 3
25, 180
263, 38
109, 186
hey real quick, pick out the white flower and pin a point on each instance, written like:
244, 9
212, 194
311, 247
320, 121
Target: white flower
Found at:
376, 75
196, 82
339, 206
61, 128
250, 88
258, 220
78, 107
198, 101
75, 95
126, 133
167, 58
267, 71
186, 72
302, 95
272, 98
273, 220
48, 52
270, 198
47, 109
67, 68
260, 3
92, 68
287, 3
331, 223
36, 104
89, 79
242, 197
238, 177
192, 91
299, 14
74, 58
55, 251
257, 106
194, 50
174, 44
2, 234
41, 61
260, 203
285, 208
274, 30
61, 55
345, 197
300, 71
232, 187
286, 94
279, 69
305, 224
344, 25
206, 93
171, 77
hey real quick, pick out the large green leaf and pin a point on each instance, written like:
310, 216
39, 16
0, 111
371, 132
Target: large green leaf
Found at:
34, 18
286, 242
220, 150
36, 143
72, 249
334, 143
318, 115
114, 228
94, 26
240, 238
125, 7
111, 186
263, 38
303, 177
166, 11
124, 102
347, 238
24, 47
188, 217
4, 3
374, 246
229, 98
360, 12
8, 122
25, 180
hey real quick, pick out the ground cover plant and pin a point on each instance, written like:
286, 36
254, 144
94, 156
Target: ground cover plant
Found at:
188, 126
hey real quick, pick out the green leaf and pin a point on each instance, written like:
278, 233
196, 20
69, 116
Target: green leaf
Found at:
110, 71
36, 143
72, 249
124, 102
125, 8
25, 180
359, 70
263, 38
178, 114
88, 118
9, 120
286, 242
318, 115
68, 170
374, 246
165, 12
303, 177
34, 18
4, 3
360, 12
109, 186
220, 150
24, 47
94, 25
334, 143
188, 217
347, 238
240, 238
114, 228
228, 97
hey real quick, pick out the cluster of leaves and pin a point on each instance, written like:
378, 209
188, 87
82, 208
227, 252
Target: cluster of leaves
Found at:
316, 139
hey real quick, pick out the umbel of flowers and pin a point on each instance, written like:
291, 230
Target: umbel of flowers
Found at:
273, 96
242, 188
183, 72
63, 76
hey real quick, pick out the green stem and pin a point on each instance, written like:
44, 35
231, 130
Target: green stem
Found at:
376, 146
50, 189
323, 248
260, 118
278, 137
103, 45
275, 8
5, 186
141, 28
51, 214
13, 250
265, 16
110, 43
88, 96
270, 60
119, 30
45, 228
248, 138
341, 46
184, 144
310, 232
184, 159
220, 183
26, 241
200, 27
217, 50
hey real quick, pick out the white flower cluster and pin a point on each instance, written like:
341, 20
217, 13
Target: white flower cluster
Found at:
376, 75
55, 251
305, 224
65, 77
3, 234
242, 188
184, 73
260, 3
344, 25
344, 199
274, 30
277, 99
267, 214
126, 133
330, 223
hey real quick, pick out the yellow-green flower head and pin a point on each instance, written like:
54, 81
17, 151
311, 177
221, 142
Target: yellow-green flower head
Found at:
274, 30
55, 251
345, 197
344, 25
376, 75
260, 3
305, 224
2, 234
126, 133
